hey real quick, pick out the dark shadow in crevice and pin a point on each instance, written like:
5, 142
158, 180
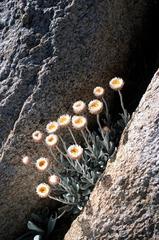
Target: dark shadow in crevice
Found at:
142, 63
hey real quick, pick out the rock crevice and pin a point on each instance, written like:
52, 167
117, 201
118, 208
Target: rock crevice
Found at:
128, 207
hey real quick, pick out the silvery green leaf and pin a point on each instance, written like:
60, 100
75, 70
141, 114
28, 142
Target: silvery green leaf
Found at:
37, 237
79, 207
61, 158
86, 186
92, 174
51, 225
86, 198
77, 167
77, 187
100, 163
86, 192
78, 196
73, 199
66, 195
33, 227
75, 211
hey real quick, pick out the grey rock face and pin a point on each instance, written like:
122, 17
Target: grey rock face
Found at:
125, 202
52, 53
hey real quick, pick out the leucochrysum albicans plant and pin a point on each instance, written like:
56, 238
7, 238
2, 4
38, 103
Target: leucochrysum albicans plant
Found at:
77, 167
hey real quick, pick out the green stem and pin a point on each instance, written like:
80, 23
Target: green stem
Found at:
65, 187
84, 175
63, 142
90, 135
71, 133
88, 145
122, 105
61, 214
65, 155
100, 127
62, 201
51, 152
54, 156
107, 111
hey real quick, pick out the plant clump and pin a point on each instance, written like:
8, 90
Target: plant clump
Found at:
78, 167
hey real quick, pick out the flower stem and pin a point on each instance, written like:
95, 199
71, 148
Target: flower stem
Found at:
61, 214
100, 127
51, 152
107, 111
84, 175
65, 187
90, 135
65, 155
60, 151
60, 200
54, 156
123, 108
71, 133
63, 142
87, 143
85, 138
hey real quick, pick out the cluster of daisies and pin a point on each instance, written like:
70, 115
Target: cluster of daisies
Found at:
78, 122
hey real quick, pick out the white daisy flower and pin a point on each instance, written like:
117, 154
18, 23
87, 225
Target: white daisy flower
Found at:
75, 152
52, 127
116, 83
42, 164
79, 122
26, 160
43, 190
64, 120
51, 140
37, 136
99, 92
54, 180
95, 106
79, 107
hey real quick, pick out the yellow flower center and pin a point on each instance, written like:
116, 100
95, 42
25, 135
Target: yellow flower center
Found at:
94, 105
78, 121
78, 104
51, 127
50, 139
63, 119
116, 82
98, 90
42, 189
42, 163
74, 150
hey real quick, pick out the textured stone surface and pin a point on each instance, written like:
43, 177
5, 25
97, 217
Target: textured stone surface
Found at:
125, 202
51, 52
